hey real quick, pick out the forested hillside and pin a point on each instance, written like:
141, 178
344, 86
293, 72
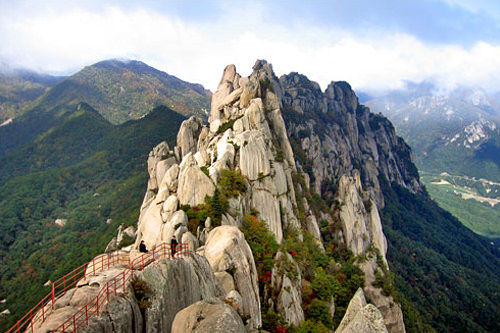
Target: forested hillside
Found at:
118, 90
84, 170
449, 274
20, 88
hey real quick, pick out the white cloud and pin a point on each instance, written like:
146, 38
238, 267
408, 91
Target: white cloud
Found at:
64, 40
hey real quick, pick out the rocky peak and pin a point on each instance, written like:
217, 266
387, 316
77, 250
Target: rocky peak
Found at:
336, 135
477, 132
242, 165
341, 94
247, 133
246, 137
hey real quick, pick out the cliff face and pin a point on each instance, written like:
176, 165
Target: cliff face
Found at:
337, 135
342, 148
267, 143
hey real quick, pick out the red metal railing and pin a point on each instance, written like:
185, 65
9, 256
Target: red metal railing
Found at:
38, 314
118, 285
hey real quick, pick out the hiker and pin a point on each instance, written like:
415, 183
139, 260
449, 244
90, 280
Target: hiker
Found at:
142, 247
173, 246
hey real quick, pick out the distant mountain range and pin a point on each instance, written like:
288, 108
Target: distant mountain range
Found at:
19, 89
455, 138
123, 90
457, 133
118, 90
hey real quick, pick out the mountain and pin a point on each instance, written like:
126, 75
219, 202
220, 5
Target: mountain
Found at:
303, 211
19, 89
83, 170
119, 90
456, 133
455, 138
428, 249
122, 90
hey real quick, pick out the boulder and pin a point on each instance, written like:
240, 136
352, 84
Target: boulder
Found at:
111, 245
169, 207
150, 224
227, 250
361, 317
250, 90
226, 281
162, 167
159, 153
194, 185
187, 137
170, 180
191, 240
228, 83
208, 316
60, 222
122, 314
179, 218
289, 290
175, 285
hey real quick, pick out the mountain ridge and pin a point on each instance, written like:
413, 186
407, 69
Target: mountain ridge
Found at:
19, 89
118, 90
456, 125
321, 188
453, 136
86, 184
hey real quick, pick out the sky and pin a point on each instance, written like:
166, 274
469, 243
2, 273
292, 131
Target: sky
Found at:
374, 45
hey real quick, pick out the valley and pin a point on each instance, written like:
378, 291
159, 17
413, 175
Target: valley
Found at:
455, 139
475, 202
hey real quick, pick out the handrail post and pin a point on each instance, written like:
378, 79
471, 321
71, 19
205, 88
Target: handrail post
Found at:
43, 312
31, 320
53, 296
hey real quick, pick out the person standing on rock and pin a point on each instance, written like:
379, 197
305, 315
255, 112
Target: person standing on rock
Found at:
173, 246
142, 247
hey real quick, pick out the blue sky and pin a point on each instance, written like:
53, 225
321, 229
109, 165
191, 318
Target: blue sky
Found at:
372, 44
